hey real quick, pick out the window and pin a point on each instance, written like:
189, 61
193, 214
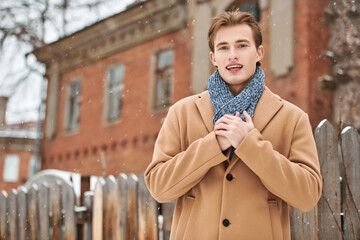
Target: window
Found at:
11, 168
73, 105
252, 8
113, 92
249, 6
163, 79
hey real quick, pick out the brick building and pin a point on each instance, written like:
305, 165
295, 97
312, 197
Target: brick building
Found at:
110, 84
17, 150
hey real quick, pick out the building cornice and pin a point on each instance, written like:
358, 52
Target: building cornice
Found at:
140, 23
15, 143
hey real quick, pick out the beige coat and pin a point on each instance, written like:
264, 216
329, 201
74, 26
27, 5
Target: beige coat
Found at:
248, 197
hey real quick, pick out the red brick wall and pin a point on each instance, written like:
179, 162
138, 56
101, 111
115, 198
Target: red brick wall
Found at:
128, 144
310, 41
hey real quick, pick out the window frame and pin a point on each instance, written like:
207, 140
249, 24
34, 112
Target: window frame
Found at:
167, 72
107, 94
68, 109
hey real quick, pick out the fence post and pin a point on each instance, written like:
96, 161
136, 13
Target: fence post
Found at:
350, 152
12, 214
88, 201
111, 215
329, 207
22, 216
132, 221
122, 198
147, 212
3, 214
44, 211
68, 204
97, 218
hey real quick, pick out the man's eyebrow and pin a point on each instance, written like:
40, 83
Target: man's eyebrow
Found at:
237, 41
221, 43
242, 40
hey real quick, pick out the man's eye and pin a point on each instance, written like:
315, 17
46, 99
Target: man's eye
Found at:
222, 48
242, 45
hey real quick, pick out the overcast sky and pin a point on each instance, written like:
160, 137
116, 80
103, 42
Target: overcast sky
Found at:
23, 103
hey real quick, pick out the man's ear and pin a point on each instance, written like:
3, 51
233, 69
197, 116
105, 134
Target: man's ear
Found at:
260, 53
212, 58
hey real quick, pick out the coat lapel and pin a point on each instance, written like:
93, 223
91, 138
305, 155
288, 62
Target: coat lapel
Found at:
269, 104
206, 110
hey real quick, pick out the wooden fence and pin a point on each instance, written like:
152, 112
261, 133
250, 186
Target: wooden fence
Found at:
118, 208
122, 208
337, 215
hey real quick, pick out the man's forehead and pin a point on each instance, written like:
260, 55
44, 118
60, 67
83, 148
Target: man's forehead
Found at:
234, 33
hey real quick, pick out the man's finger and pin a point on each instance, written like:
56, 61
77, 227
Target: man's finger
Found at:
221, 126
247, 117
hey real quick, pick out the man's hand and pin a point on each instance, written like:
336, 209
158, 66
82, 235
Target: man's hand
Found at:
223, 142
233, 129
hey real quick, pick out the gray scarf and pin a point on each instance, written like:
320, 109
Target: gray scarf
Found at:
224, 102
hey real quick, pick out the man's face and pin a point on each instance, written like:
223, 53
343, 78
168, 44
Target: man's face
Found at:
235, 55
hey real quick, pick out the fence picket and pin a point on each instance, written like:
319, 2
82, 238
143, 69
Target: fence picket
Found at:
3, 215
111, 213
33, 212
329, 206
12, 211
88, 201
97, 218
147, 212
68, 205
350, 149
22, 214
55, 208
122, 198
132, 220
303, 224
43, 207
167, 210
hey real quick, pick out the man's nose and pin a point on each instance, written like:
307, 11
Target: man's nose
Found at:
233, 54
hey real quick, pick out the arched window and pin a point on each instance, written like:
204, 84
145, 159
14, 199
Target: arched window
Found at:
251, 7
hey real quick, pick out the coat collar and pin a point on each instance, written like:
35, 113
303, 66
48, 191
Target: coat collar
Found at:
269, 104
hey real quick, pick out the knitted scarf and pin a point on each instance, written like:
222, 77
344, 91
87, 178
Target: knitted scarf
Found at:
224, 102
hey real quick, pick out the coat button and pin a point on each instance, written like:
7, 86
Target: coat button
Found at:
229, 177
226, 222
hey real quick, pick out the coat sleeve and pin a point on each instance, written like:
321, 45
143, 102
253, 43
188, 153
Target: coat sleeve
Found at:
173, 172
296, 179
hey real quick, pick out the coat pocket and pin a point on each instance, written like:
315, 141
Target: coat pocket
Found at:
185, 217
275, 219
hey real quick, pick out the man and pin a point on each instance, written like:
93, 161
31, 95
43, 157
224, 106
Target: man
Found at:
237, 156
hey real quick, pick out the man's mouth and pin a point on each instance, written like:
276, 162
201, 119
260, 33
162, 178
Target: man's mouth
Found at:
234, 66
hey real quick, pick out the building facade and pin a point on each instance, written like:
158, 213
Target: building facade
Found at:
110, 84
17, 151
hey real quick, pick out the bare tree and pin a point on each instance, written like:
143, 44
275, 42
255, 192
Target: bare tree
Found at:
27, 24
343, 17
